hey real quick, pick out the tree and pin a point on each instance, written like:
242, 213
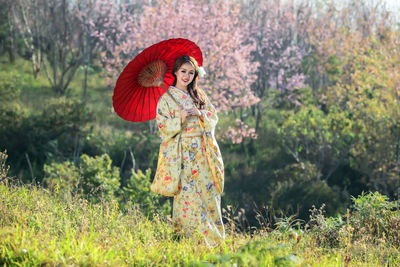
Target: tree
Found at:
215, 26
7, 31
59, 35
27, 17
369, 91
279, 33
103, 23
49, 28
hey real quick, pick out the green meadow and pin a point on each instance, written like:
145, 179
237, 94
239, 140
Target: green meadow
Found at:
40, 228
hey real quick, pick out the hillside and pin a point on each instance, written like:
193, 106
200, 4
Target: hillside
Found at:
38, 228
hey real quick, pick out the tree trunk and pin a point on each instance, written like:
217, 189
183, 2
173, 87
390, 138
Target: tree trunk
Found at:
11, 39
258, 118
86, 55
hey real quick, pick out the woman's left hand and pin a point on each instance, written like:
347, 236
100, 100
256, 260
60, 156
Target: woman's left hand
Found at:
194, 112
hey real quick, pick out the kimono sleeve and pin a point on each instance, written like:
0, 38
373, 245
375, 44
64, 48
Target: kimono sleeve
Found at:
166, 179
209, 116
168, 124
209, 119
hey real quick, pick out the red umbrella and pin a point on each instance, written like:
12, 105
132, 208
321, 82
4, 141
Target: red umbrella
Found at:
147, 76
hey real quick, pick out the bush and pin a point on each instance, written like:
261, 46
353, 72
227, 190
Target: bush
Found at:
297, 189
137, 192
374, 219
62, 178
325, 230
32, 139
3, 166
10, 88
97, 180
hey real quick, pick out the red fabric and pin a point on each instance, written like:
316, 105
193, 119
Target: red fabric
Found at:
133, 102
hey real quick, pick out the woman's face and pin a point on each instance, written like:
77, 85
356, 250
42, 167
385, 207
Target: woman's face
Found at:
184, 75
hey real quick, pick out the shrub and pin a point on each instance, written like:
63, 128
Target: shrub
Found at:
62, 178
374, 219
95, 178
99, 179
33, 139
3, 166
325, 230
10, 88
373, 216
137, 192
297, 189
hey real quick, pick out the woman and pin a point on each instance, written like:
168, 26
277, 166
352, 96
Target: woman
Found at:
189, 151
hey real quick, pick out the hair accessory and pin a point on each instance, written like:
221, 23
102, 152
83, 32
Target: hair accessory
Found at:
202, 72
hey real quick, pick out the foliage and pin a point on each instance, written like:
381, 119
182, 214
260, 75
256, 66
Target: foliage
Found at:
127, 148
96, 180
290, 165
137, 193
368, 91
373, 219
99, 179
38, 228
10, 88
34, 138
324, 139
4, 168
62, 178
325, 229
299, 183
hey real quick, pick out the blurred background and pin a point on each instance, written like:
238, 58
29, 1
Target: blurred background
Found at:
307, 91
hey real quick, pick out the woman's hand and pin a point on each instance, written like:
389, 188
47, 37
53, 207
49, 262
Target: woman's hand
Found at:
184, 114
194, 112
189, 112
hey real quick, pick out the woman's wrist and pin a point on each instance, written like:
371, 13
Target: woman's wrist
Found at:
183, 115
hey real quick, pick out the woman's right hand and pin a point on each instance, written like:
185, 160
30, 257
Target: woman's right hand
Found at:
184, 114
189, 112
194, 112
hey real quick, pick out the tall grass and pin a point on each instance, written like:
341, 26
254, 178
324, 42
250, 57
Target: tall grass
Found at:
38, 228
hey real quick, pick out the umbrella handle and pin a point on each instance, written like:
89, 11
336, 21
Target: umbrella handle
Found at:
173, 98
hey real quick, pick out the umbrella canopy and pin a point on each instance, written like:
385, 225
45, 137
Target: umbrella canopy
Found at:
147, 76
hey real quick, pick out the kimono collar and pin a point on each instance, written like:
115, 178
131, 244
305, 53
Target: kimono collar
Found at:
180, 90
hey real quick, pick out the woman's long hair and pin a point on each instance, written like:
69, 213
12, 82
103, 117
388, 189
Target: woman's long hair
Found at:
195, 92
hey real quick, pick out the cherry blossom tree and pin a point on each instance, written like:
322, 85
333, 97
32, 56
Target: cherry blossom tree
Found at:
330, 28
102, 24
218, 30
279, 32
239, 131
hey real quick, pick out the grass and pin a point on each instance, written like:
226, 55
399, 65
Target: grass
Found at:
38, 228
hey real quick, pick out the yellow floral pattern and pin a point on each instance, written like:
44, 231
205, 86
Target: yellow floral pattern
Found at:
190, 152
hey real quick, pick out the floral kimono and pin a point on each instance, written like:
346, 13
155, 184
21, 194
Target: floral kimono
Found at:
189, 151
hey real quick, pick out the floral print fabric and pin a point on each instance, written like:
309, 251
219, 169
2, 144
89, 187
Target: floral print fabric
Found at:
188, 151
